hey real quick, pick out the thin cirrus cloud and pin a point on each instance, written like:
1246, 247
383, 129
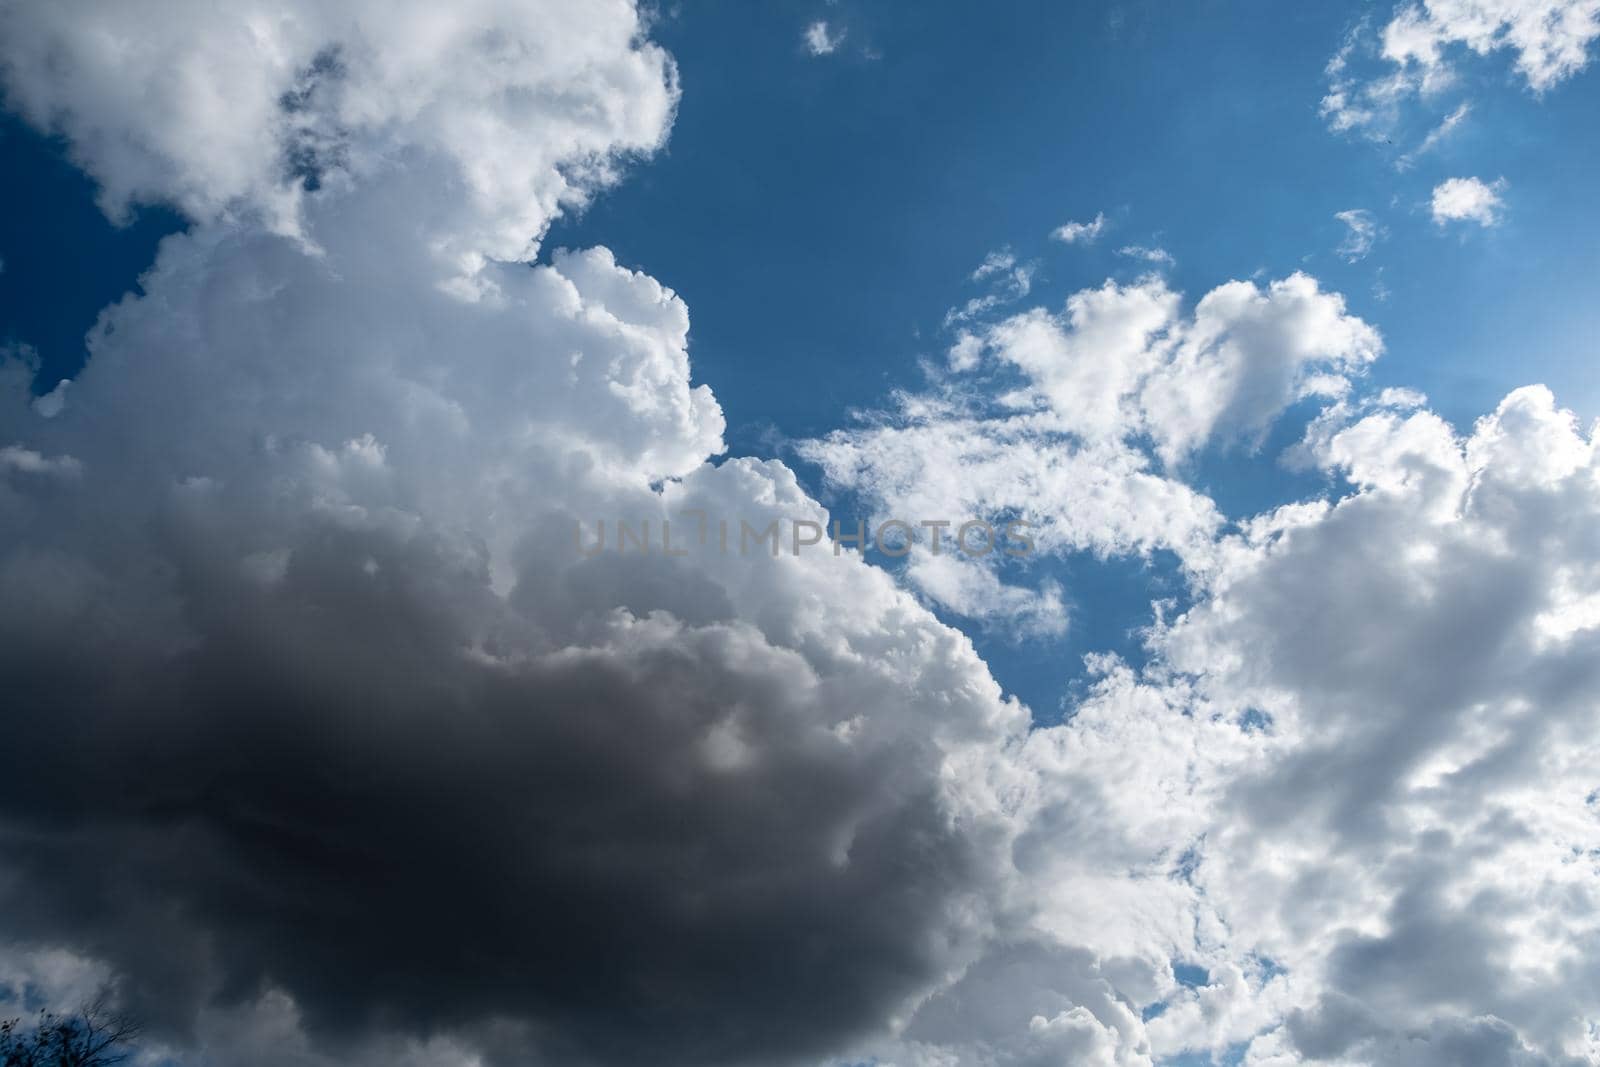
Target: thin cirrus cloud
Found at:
327, 745
1152, 254
1436, 136
1362, 231
1005, 279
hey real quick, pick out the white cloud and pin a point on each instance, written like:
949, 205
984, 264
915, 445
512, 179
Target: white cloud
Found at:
1007, 279
1375, 73
1119, 371
970, 589
1435, 136
1549, 37
1376, 719
226, 113
1086, 233
1430, 744
820, 40
1158, 256
1468, 200
966, 352
1362, 232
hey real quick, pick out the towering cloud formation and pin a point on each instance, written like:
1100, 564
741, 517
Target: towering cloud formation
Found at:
321, 734
325, 743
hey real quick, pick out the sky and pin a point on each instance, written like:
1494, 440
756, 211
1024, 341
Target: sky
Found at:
325, 326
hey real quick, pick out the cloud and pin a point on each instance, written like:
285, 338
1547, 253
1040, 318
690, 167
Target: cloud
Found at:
1118, 385
523, 122
1435, 136
1421, 651
1158, 256
1550, 37
1376, 72
1086, 233
1362, 232
821, 40
325, 744
1007, 279
1468, 200
1343, 814
15, 458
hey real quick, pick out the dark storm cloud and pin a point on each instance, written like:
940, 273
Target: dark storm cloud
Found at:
656, 852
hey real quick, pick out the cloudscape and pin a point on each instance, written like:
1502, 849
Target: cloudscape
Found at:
539, 533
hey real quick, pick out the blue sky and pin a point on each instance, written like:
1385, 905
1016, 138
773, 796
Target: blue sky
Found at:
1301, 761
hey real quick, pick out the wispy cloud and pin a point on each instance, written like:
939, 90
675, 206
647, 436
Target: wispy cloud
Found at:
1435, 135
1007, 280
1158, 256
821, 39
1362, 232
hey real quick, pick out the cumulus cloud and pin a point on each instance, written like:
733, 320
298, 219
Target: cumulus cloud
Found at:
1550, 38
1426, 670
1346, 814
1086, 233
1115, 388
521, 109
325, 742
1468, 200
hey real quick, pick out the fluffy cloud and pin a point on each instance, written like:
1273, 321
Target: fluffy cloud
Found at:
1376, 73
1085, 233
1468, 200
518, 109
1550, 37
328, 744
1418, 845
1346, 812
1064, 448
325, 741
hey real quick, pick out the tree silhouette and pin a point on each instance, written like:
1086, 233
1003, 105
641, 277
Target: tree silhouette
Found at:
93, 1037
